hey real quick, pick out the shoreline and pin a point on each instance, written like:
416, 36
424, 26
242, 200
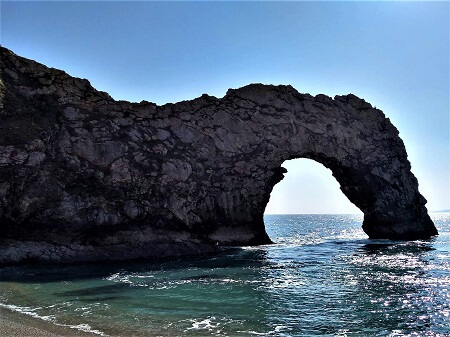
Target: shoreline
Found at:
14, 324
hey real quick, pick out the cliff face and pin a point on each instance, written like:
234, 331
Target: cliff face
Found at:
85, 177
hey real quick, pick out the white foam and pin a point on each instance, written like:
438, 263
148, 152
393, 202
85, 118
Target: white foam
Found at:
52, 319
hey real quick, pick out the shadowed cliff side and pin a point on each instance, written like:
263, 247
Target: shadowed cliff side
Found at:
84, 177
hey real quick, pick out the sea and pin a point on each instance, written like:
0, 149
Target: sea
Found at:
322, 277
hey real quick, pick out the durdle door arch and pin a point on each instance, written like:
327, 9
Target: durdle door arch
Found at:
84, 177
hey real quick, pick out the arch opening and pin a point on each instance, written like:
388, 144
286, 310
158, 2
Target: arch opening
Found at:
308, 187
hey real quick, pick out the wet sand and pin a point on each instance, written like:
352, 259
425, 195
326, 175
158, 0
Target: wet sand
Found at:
13, 324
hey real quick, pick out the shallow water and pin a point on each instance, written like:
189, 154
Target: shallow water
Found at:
323, 277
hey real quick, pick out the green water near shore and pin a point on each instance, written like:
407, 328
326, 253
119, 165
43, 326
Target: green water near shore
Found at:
323, 277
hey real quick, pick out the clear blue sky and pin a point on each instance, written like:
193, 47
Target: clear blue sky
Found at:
393, 54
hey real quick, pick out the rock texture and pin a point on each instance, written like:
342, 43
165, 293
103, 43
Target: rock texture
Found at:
85, 177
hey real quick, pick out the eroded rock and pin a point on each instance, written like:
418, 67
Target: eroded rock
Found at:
84, 177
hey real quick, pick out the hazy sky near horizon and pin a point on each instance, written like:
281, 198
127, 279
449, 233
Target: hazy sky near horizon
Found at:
393, 54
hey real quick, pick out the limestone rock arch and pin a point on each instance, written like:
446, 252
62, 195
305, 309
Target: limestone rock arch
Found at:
85, 177
351, 138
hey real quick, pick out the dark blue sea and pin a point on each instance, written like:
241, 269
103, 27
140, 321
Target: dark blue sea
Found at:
323, 277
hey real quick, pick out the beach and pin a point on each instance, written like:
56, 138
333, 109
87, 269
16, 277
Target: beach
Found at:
13, 324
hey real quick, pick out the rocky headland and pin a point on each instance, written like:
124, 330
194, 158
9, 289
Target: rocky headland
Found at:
84, 177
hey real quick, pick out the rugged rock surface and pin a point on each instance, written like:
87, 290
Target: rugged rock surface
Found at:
85, 177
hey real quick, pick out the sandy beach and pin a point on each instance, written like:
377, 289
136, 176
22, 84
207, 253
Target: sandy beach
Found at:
13, 324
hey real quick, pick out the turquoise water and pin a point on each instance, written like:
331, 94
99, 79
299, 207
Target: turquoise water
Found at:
323, 277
